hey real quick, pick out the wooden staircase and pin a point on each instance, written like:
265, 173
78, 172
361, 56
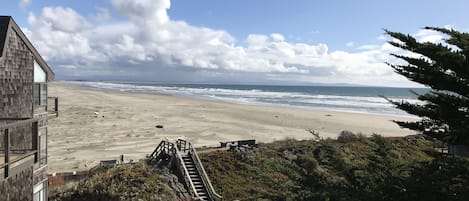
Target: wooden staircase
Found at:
189, 168
195, 177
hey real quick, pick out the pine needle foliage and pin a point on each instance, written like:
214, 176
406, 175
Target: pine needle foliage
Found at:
444, 67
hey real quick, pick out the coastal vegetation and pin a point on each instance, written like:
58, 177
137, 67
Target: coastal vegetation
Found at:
354, 168
136, 181
444, 67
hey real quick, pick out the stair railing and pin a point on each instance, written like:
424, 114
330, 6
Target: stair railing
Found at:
164, 146
185, 146
200, 168
181, 145
185, 174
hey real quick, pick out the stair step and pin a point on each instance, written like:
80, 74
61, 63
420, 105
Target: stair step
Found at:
203, 197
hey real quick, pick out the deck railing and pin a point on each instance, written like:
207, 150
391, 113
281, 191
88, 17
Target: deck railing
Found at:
22, 155
55, 109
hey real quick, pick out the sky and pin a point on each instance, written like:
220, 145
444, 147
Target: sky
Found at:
231, 42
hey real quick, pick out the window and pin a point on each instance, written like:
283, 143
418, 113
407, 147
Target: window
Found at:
40, 94
40, 192
39, 74
43, 95
37, 94
42, 147
40, 86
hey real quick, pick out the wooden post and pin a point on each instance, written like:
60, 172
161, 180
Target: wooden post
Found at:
56, 106
6, 143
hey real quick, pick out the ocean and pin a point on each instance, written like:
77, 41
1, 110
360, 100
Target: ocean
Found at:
332, 98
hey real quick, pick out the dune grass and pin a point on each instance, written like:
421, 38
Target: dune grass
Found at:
354, 168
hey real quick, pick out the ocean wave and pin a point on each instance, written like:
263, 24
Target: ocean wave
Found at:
362, 104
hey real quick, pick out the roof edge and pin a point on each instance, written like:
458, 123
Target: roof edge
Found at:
37, 56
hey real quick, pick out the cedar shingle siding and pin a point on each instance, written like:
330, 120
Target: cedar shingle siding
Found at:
16, 78
18, 188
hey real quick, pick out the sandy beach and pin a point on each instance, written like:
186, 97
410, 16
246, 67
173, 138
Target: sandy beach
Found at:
97, 125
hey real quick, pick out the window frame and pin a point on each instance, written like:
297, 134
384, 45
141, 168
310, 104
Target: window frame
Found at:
41, 191
42, 150
38, 101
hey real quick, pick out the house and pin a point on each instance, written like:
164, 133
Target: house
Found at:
24, 112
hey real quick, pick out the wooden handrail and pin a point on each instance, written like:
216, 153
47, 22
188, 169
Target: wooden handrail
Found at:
156, 151
23, 156
6, 142
186, 175
14, 119
204, 176
6, 166
18, 123
56, 105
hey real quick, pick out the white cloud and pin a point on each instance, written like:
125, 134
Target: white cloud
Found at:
425, 35
102, 15
150, 10
148, 44
277, 37
61, 19
24, 3
350, 44
257, 40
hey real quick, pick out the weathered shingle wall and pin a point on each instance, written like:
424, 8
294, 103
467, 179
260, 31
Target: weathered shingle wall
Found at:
20, 138
39, 175
18, 187
16, 79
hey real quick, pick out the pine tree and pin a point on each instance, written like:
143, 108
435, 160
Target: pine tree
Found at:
444, 67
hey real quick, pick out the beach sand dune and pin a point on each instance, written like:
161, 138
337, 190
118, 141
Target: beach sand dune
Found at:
97, 125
